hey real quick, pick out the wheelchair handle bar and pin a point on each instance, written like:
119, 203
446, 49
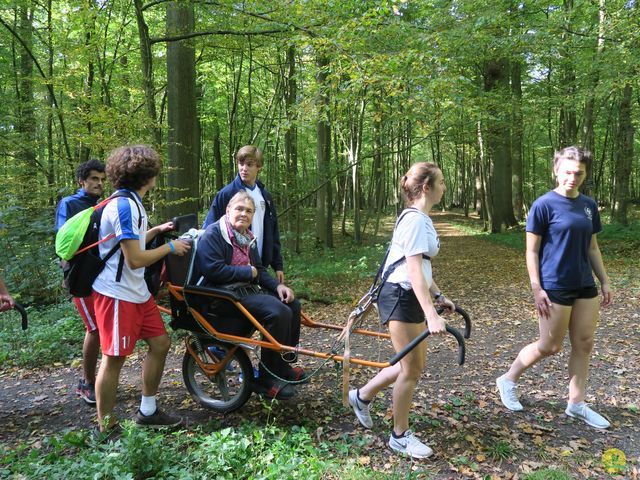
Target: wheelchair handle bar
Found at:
462, 312
461, 347
23, 314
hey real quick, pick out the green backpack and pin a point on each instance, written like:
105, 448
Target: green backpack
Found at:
70, 236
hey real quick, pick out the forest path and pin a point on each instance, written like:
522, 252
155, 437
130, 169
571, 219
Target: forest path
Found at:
456, 409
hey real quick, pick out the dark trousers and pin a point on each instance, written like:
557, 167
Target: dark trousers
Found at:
281, 320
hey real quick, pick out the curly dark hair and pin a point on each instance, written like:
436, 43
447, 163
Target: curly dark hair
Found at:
132, 166
419, 175
84, 169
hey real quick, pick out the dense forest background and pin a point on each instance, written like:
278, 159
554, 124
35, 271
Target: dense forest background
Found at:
341, 95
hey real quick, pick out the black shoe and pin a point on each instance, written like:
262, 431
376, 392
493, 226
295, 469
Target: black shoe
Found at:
159, 419
273, 389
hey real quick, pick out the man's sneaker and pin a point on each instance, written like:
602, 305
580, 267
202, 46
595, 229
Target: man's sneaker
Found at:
508, 394
361, 409
157, 420
410, 445
583, 412
87, 392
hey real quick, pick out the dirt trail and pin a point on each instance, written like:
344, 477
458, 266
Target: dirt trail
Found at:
456, 408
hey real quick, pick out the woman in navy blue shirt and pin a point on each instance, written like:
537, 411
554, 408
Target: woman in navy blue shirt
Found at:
562, 255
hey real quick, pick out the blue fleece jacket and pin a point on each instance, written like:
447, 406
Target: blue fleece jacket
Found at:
213, 259
69, 206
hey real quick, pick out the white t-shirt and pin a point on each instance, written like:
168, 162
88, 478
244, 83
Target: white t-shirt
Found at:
414, 235
120, 216
257, 226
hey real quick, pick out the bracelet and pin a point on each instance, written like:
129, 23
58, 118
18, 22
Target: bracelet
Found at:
438, 296
171, 247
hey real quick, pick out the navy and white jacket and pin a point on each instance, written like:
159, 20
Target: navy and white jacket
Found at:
271, 249
213, 258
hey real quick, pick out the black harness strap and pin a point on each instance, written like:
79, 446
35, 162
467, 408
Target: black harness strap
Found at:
383, 274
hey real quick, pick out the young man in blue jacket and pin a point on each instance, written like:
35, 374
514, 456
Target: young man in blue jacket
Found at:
265, 222
91, 177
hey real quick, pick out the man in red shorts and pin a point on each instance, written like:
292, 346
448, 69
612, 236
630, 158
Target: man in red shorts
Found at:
125, 310
91, 177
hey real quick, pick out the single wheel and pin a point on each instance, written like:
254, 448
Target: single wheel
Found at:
225, 391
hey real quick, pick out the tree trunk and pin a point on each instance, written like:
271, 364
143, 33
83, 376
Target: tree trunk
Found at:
26, 121
517, 170
323, 157
568, 129
588, 134
146, 61
498, 143
182, 116
624, 159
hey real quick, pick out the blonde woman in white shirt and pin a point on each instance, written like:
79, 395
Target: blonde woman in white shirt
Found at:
405, 302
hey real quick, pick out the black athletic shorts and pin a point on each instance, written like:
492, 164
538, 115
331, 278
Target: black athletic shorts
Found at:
568, 297
396, 303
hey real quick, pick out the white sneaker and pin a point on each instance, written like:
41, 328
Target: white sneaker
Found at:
410, 445
361, 409
508, 394
583, 412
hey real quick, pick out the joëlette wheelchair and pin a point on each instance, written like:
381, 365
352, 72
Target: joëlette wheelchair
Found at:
216, 367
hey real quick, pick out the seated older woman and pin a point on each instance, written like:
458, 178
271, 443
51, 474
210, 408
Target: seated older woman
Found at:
227, 254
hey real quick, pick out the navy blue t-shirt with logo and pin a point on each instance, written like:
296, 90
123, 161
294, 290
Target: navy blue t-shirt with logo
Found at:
566, 226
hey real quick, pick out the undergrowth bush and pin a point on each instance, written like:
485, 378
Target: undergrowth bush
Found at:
249, 451
55, 334
27, 253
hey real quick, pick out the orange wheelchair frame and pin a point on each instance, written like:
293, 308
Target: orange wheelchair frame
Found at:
216, 369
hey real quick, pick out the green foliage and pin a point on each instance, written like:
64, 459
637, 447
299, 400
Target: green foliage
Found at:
615, 240
314, 269
548, 474
250, 451
27, 252
55, 334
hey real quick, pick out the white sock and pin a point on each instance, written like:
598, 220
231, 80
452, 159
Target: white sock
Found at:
148, 405
573, 406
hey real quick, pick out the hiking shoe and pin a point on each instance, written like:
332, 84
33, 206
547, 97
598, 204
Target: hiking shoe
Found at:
158, 419
297, 374
508, 394
273, 390
410, 445
87, 392
583, 412
361, 409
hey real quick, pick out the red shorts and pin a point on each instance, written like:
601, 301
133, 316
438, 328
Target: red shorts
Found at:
87, 312
121, 324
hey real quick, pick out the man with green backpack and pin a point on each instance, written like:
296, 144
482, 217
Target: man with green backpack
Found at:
91, 177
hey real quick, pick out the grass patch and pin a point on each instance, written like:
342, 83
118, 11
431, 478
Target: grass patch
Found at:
548, 474
249, 451
323, 274
55, 335
615, 240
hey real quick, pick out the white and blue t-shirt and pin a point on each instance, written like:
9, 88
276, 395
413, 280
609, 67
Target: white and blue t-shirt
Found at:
414, 235
121, 217
566, 226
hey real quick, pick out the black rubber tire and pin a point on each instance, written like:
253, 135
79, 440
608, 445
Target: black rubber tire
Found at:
225, 392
